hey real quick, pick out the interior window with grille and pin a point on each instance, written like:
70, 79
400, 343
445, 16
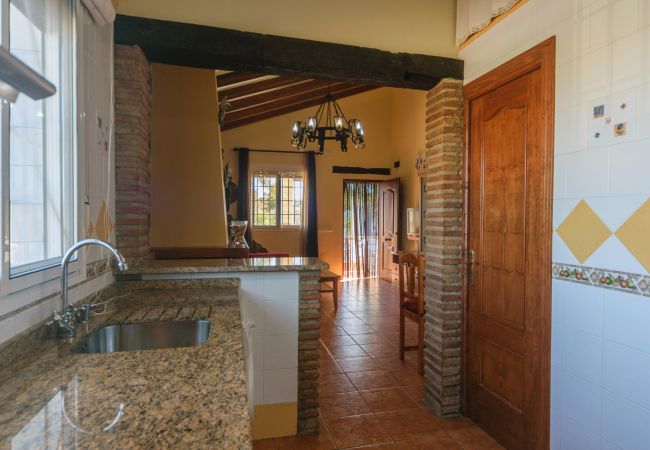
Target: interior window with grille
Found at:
277, 200
41, 137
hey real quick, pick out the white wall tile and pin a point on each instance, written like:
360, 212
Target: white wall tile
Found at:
555, 430
582, 355
589, 176
582, 307
557, 387
281, 286
582, 402
561, 164
626, 372
280, 386
628, 171
257, 350
625, 424
614, 211
280, 351
258, 387
627, 319
575, 436
615, 256
557, 333
280, 317
628, 68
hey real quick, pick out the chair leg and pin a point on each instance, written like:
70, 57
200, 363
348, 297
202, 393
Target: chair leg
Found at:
335, 293
421, 345
401, 336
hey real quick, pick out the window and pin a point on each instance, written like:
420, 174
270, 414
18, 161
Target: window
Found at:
277, 200
40, 145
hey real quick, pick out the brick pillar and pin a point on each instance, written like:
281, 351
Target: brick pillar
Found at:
443, 244
308, 352
132, 152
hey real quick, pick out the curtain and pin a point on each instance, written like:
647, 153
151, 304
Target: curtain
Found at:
474, 15
243, 210
360, 229
311, 244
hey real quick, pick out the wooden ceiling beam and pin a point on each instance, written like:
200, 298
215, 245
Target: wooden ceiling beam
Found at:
262, 114
228, 79
215, 48
308, 88
253, 88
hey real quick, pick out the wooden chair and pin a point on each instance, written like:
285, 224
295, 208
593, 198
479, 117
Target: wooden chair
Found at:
411, 299
330, 277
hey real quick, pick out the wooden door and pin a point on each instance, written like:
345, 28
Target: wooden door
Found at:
389, 220
509, 133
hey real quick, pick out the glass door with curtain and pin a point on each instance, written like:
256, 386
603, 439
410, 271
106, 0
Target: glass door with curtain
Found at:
360, 229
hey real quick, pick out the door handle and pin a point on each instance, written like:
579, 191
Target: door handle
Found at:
471, 263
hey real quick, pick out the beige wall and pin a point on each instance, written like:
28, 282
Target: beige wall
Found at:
187, 201
385, 113
413, 26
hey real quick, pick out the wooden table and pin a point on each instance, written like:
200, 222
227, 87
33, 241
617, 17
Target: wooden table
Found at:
330, 277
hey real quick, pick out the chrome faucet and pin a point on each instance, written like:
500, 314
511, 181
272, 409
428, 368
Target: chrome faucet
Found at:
65, 320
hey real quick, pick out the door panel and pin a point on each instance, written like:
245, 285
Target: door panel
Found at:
388, 227
507, 324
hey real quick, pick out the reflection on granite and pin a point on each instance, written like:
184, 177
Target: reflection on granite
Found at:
192, 397
225, 265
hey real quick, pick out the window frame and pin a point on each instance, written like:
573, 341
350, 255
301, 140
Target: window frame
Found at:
42, 281
278, 195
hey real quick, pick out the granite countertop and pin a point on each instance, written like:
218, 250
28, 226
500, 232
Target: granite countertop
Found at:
298, 263
192, 397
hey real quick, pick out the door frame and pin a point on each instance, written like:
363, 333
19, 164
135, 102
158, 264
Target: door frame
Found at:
541, 56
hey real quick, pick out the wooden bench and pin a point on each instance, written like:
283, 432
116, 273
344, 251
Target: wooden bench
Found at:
330, 277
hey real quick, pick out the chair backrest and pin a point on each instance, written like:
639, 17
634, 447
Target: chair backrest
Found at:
411, 279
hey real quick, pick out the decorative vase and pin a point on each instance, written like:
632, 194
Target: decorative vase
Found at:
237, 232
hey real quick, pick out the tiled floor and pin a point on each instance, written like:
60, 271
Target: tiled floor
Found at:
368, 397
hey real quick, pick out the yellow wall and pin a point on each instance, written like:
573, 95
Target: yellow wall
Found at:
386, 114
413, 26
187, 200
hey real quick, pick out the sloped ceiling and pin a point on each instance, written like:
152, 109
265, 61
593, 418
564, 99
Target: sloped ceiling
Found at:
255, 97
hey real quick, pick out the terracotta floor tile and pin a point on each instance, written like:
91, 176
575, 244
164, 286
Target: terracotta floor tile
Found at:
368, 338
347, 351
392, 362
469, 435
350, 322
322, 441
357, 329
382, 400
380, 349
341, 339
377, 447
437, 441
357, 364
329, 367
263, 444
407, 377
408, 423
377, 379
332, 331
342, 405
356, 431
416, 393
334, 384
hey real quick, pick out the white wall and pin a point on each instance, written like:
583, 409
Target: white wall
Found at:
601, 337
28, 307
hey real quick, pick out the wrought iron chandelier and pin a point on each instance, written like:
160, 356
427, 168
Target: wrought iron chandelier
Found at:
328, 124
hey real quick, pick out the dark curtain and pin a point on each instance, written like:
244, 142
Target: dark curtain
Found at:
243, 209
360, 229
311, 244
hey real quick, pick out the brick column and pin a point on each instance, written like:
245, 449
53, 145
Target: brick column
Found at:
132, 152
308, 352
443, 245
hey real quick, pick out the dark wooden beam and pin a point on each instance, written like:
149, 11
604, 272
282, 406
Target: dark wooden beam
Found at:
263, 114
220, 48
231, 78
252, 88
313, 87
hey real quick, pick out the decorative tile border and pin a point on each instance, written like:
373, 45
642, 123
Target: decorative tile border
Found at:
632, 283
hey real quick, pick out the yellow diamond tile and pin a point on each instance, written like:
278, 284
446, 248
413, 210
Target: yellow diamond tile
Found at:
635, 234
583, 231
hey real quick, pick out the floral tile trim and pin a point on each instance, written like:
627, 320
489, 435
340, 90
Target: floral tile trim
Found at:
632, 283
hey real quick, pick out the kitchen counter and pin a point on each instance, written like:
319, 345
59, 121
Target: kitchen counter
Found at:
192, 397
190, 266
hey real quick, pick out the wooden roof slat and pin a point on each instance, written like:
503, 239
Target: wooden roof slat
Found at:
228, 79
313, 87
257, 114
253, 88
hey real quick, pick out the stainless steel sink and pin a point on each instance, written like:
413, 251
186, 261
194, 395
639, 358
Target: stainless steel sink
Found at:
146, 336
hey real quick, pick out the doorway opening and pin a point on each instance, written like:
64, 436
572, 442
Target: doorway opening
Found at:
360, 229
